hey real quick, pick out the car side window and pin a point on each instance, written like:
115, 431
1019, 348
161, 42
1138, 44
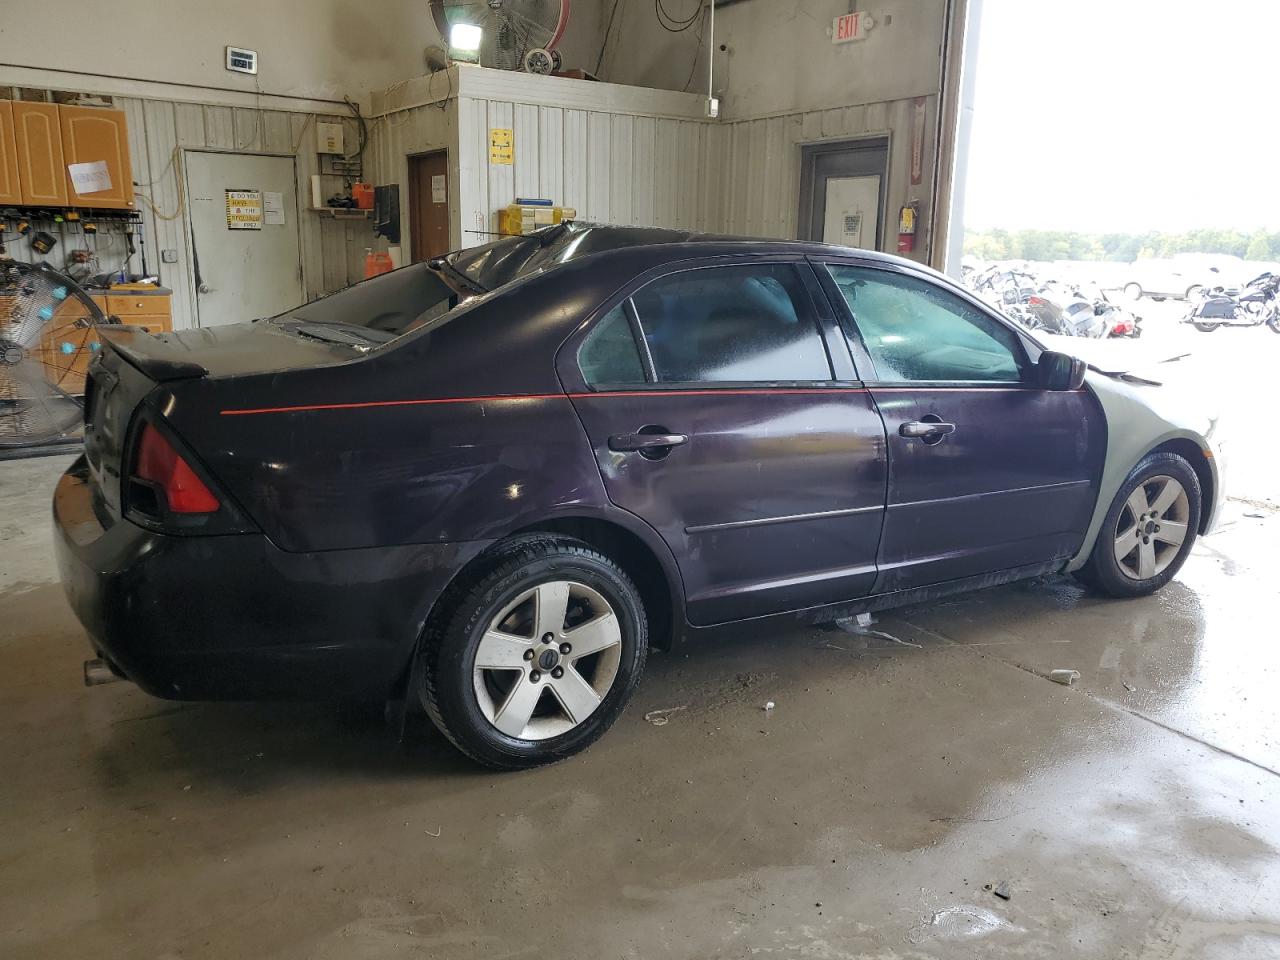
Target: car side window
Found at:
917, 331
610, 355
732, 323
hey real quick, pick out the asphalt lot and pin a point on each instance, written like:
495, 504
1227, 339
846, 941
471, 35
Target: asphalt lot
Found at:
1134, 814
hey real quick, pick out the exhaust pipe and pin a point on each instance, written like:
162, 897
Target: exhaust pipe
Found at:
98, 671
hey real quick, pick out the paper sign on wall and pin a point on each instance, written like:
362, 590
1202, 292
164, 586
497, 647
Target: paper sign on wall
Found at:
439, 191
501, 148
89, 177
244, 209
273, 207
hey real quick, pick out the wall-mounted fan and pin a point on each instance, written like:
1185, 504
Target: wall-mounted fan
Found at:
46, 342
515, 34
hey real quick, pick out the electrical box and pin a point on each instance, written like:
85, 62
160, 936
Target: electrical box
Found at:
241, 60
329, 138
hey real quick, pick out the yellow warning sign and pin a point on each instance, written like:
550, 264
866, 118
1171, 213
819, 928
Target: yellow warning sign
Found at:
501, 146
244, 209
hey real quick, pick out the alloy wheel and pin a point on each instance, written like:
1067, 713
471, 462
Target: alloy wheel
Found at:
547, 660
1151, 528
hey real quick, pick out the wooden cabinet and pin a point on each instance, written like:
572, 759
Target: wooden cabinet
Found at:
38, 141
10, 188
96, 134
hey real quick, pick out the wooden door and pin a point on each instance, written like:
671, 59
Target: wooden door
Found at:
95, 134
41, 169
10, 188
429, 205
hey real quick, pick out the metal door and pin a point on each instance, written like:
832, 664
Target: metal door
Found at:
247, 265
842, 192
771, 496
984, 475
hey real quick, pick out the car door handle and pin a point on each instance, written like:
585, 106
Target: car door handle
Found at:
623, 442
926, 430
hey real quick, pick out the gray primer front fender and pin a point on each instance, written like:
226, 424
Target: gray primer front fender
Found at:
1139, 419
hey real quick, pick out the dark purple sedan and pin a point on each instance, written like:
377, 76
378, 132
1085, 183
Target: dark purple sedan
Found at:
490, 483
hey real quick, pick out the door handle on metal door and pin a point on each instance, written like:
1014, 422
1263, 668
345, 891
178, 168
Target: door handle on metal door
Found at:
653, 442
926, 430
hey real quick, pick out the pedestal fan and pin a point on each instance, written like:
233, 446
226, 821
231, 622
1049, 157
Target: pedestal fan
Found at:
46, 343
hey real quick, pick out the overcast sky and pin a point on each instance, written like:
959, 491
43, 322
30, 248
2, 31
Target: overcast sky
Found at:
1126, 115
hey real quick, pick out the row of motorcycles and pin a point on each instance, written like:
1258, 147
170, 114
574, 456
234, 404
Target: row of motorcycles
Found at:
1255, 304
1071, 310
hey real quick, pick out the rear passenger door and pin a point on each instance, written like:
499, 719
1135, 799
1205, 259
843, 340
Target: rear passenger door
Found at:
716, 415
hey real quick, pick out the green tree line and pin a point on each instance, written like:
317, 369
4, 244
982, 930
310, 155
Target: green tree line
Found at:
1118, 247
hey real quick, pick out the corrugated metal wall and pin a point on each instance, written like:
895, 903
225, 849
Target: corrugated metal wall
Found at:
628, 155
611, 167
760, 163
396, 137
159, 130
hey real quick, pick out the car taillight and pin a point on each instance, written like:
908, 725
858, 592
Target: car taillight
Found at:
158, 464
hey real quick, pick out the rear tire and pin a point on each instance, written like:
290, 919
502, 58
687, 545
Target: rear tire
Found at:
1149, 530
504, 694
1204, 326
1133, 291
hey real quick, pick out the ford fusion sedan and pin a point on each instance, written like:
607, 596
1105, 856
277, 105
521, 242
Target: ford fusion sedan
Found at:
492, 483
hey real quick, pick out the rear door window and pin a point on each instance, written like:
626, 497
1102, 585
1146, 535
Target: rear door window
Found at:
749, 323
610, 354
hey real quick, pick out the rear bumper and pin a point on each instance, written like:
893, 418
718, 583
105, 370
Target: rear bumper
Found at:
234, 617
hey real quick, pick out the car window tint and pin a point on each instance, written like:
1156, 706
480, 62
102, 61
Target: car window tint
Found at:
915, 330
609, 354
731, 324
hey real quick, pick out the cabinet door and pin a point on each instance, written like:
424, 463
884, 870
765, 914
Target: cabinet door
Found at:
10, 191
39, 144
93, 134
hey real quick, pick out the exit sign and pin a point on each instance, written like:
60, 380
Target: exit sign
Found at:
850, 27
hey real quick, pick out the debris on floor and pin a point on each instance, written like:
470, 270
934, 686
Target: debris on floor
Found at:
1128, 686
861, 625
660, 718
1001, 890
1064, 677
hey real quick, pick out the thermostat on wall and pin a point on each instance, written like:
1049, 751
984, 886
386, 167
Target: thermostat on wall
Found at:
241, 60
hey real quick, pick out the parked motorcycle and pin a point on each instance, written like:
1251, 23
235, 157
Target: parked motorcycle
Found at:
1257, 304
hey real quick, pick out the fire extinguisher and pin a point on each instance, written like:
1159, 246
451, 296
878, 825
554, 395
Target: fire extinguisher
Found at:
908, 218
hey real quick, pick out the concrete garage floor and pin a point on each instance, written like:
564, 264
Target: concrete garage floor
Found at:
1135, 814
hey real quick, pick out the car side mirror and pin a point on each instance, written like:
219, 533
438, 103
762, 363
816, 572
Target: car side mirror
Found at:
1060, 371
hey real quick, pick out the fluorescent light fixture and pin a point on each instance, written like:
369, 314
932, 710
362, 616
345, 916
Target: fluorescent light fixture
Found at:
465, 37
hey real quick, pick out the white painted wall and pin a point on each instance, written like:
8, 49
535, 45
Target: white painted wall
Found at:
779, 56
322, 49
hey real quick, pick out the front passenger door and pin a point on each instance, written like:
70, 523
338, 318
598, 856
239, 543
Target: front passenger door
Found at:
987, 470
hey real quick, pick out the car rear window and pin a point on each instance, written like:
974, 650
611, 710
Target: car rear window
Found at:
387, 305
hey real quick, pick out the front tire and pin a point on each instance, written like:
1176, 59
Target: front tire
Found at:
535, 658
1148, 532
1133, 291
1204, 326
